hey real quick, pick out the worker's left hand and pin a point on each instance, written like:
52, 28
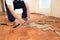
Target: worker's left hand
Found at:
28, 20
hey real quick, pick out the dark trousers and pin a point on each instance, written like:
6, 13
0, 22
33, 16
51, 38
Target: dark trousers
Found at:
17, 5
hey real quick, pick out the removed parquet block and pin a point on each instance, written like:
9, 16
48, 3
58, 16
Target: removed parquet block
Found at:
57, 33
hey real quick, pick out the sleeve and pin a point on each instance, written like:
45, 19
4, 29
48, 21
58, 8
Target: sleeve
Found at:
9, 2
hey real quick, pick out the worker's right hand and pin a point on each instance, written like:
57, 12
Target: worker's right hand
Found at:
22, 22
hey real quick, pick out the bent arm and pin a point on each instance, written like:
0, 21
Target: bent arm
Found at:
13, 12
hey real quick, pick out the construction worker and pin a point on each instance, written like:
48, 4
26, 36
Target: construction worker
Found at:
11, 5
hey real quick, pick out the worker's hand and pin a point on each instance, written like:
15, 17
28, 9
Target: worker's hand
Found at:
28, 20
22, 22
